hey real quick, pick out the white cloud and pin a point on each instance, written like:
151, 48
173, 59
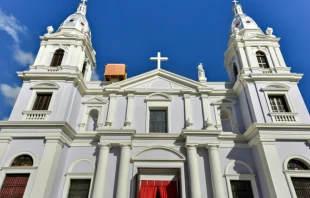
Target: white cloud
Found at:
12, 26
24, 58
95, 76
10, 93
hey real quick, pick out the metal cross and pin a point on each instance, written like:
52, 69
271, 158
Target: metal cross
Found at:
159, 59
84, 1
235, 2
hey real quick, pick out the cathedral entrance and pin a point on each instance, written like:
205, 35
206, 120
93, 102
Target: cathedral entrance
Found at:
158, 183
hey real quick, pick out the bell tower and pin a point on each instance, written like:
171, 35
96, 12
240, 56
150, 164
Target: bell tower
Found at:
69, 49
250, 50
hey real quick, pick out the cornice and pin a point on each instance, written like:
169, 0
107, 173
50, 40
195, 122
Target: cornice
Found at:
20, 129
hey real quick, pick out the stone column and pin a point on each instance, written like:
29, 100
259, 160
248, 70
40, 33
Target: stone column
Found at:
123, 179
193, 171
4, 144
48, 165
216, 172
129, 112
101, 170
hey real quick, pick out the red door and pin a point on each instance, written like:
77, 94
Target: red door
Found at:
158, 189
14, 186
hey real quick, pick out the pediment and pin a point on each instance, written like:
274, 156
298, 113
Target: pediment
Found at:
159, 153
96, 100
259, 36
62, 35
225, 101
159, 80
45, 85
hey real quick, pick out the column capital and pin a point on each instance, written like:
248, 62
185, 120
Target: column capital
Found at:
59, 140
125, 145
191, 146
212, 146
104, 145
204, 96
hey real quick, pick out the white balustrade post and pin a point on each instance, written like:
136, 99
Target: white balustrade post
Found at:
193, 171
101, 170
216, 172
123, 179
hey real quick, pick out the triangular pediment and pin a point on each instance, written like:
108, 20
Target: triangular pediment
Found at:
226, 101
96, 100
259, 37
159, 80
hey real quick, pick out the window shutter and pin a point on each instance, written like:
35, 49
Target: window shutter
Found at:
241, 189
42, 102
158, 121
14, 185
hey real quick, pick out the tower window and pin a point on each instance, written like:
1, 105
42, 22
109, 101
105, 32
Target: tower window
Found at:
79, 188
158, 121
241, 189
84, 68
57, 58
278, 104
235, 70
42, 101
262, 60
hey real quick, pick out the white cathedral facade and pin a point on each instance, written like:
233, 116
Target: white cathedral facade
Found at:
158, 134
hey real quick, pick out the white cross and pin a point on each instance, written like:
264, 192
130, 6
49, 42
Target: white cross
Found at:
159, 59
84, 1
235, 2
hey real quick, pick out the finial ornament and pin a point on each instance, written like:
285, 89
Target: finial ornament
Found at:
50, 29
159, 59
84, 1
235, 2
201, 73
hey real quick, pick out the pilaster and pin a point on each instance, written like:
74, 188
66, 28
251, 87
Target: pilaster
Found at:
188, 115
206, 111
274, 56
249, 53
280, 57
270, 162
46, 171
243, 57
4, 144
111, 113
129, 112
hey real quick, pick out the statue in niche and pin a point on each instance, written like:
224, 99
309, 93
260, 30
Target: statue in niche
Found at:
201, 73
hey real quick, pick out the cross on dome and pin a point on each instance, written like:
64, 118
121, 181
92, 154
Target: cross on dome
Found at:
84, 1
159, 59
235, 2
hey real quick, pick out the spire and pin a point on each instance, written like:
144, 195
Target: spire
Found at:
237, 9
82, 9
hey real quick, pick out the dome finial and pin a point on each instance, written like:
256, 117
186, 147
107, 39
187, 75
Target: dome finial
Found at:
82, 7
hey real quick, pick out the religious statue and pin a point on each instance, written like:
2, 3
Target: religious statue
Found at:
50, 29
201, 73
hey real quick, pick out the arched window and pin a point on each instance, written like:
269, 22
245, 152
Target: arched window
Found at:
295, 164
262, 59
84, 68
92, 120
23, 160
57, 58
235, 71
226, 121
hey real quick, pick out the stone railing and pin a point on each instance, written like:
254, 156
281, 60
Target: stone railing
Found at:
267, 71
53, 69
284, 117
36, 115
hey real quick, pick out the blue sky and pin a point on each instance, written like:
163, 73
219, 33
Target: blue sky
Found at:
130, 32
